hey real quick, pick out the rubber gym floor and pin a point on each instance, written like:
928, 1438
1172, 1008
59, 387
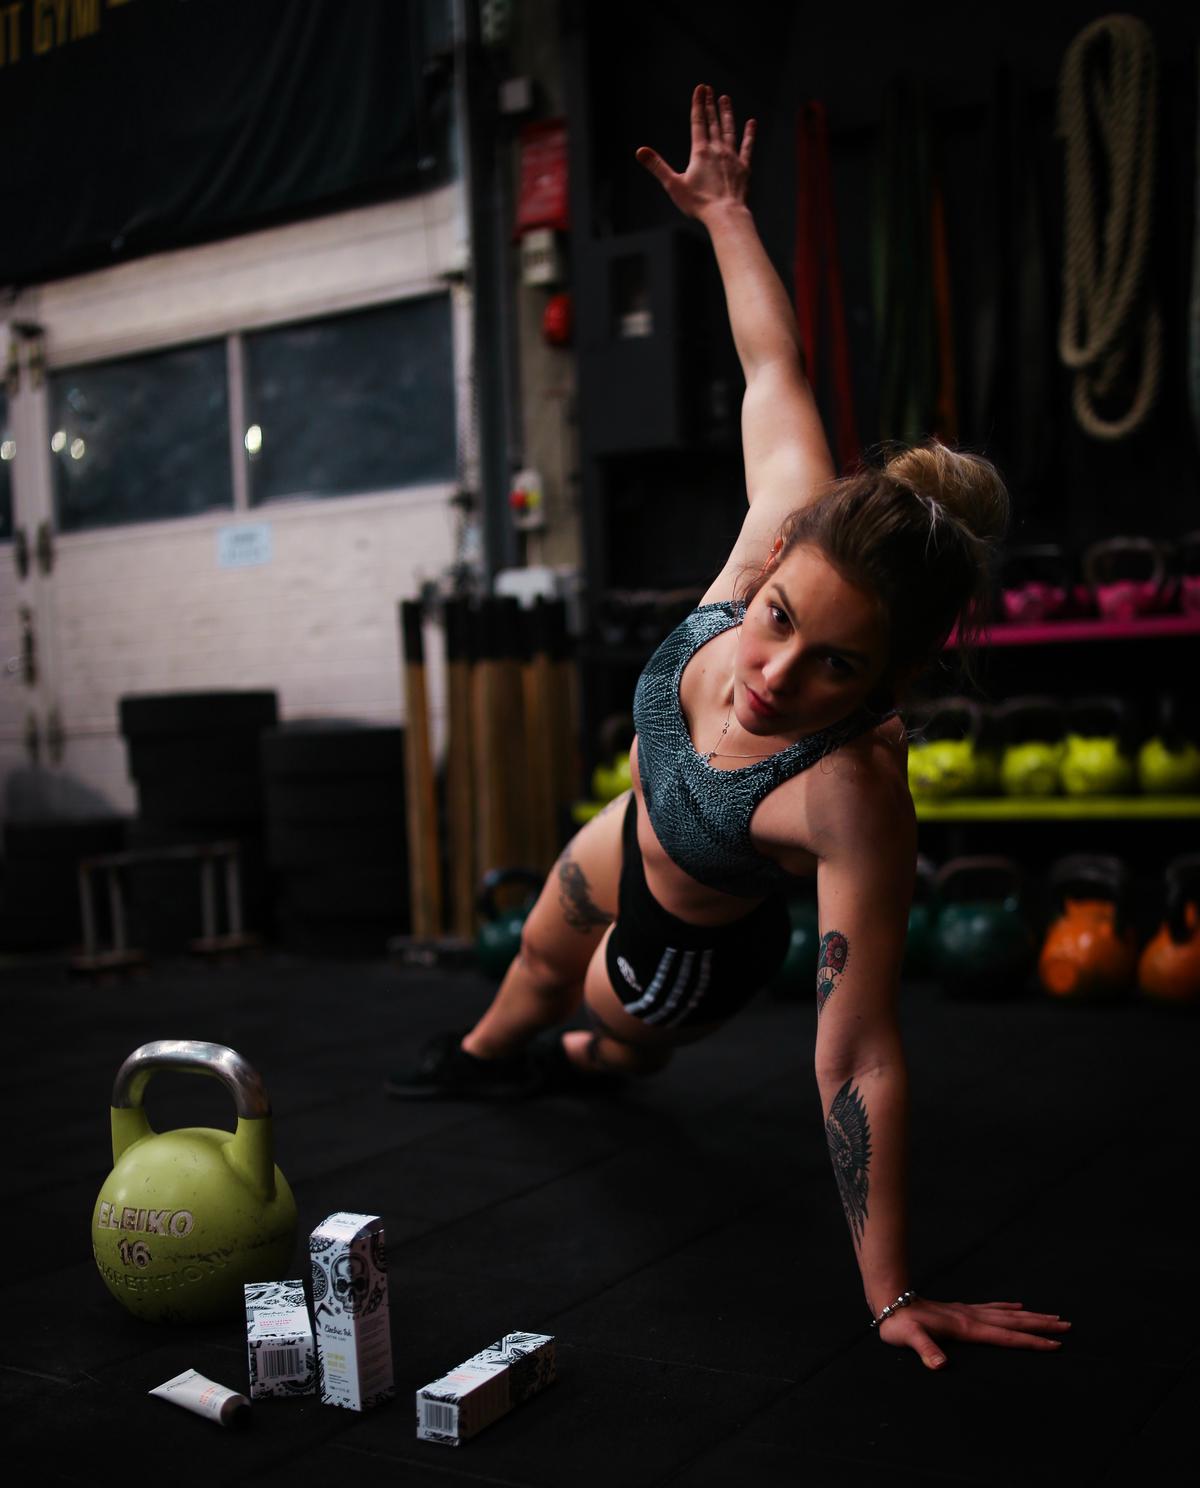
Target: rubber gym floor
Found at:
682, 1240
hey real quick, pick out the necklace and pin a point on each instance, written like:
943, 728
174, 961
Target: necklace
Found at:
728, 754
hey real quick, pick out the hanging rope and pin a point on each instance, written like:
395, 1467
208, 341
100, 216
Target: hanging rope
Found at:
1106, 305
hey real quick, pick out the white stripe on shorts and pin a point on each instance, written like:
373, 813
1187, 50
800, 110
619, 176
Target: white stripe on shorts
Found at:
701, 983
678, 989
648, 999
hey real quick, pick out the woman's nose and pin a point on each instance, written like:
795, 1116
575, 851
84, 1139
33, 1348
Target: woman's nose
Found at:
779, 671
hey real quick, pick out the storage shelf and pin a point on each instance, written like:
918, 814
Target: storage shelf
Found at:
1052, 631
1056, 808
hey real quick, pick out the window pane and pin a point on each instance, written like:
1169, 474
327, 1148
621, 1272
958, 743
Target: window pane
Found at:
141, 439
8, 450
361, 402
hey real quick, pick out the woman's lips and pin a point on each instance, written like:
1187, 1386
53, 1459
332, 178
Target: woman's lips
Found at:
757, 705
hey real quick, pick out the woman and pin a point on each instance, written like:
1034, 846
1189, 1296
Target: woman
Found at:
768, 749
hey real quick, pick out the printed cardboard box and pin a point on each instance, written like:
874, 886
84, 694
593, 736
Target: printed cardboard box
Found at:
350, 1310
279, 1339
485, 1387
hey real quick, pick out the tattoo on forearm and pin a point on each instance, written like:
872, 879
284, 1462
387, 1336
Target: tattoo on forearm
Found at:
848, 1133
835, 951
579, 909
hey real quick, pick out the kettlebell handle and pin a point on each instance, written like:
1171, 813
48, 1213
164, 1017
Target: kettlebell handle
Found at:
191, 1057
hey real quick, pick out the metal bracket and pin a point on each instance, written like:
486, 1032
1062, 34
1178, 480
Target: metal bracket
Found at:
28, 647
33, 739
55, 737
45, 547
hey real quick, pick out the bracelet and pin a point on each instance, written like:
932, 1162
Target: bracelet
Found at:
901, 1301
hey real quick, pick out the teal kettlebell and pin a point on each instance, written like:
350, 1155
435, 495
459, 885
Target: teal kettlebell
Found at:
499, 937
796, 976
983, 945
922, 919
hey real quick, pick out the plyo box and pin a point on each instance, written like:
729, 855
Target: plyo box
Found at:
279, 1339
350, 1310
485, 1387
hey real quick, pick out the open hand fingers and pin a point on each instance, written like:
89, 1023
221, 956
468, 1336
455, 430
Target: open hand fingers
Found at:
1008, 1335
747, 142
699, 116
654, 163
710, 112
728, 129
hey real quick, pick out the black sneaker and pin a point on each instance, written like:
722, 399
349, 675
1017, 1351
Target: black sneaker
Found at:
560, 1074
444, 1070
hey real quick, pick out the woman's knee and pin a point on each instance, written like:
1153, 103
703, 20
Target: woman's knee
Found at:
629, 1059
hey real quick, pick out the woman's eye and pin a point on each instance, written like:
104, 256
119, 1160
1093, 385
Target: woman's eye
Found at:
842, 668
778, 616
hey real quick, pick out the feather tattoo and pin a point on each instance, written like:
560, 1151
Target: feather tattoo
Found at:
848, 1134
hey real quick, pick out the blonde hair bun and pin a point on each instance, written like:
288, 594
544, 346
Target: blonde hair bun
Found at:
967, 486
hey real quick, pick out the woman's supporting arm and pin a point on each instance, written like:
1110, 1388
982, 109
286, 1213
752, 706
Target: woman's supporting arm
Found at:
864, 886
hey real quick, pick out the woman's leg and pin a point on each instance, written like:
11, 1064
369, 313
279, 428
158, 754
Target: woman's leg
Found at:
544, 984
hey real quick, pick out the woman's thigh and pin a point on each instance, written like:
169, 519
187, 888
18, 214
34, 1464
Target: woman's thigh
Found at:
578, 901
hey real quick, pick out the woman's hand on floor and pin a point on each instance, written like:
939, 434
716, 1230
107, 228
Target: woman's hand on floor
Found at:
1005, 1324
718, 171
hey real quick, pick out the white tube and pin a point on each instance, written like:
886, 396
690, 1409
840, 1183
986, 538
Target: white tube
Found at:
195, 1393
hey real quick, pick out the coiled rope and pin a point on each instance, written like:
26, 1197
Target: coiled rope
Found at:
1106, 307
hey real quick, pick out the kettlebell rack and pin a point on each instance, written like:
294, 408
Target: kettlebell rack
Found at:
210, 942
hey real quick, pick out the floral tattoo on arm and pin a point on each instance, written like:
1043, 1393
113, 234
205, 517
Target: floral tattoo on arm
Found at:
835, 951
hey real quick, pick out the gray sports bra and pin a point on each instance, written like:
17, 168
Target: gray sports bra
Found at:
702, 815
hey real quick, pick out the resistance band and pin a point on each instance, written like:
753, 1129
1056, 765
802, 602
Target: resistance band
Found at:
816, 228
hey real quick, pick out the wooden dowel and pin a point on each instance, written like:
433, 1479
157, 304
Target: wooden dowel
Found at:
460, 772
424, 865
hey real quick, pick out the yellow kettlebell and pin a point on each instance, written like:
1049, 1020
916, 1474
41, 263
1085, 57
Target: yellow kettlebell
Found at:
187, 1217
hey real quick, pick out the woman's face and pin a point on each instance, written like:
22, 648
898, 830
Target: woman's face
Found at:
811, 648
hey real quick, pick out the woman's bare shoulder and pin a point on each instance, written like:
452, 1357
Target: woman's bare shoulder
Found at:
859, 792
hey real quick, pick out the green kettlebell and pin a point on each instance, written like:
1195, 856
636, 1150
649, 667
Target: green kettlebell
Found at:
187, 1217
983, 946
797, 974
1098, 758
1169, 762
1032, 729
499, 936
941, 768
942, 761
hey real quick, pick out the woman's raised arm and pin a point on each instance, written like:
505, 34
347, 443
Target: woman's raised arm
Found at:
784, 445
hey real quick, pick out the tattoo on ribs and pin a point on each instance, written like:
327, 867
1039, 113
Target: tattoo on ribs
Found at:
835, 951
579, 909
848, 1134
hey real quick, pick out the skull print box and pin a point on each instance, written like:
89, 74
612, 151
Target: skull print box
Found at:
350, 1310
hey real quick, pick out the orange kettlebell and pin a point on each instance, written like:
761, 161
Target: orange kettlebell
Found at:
1169, 969
1090, 950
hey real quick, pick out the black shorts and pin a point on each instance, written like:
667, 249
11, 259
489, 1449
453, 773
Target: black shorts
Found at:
673, 974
